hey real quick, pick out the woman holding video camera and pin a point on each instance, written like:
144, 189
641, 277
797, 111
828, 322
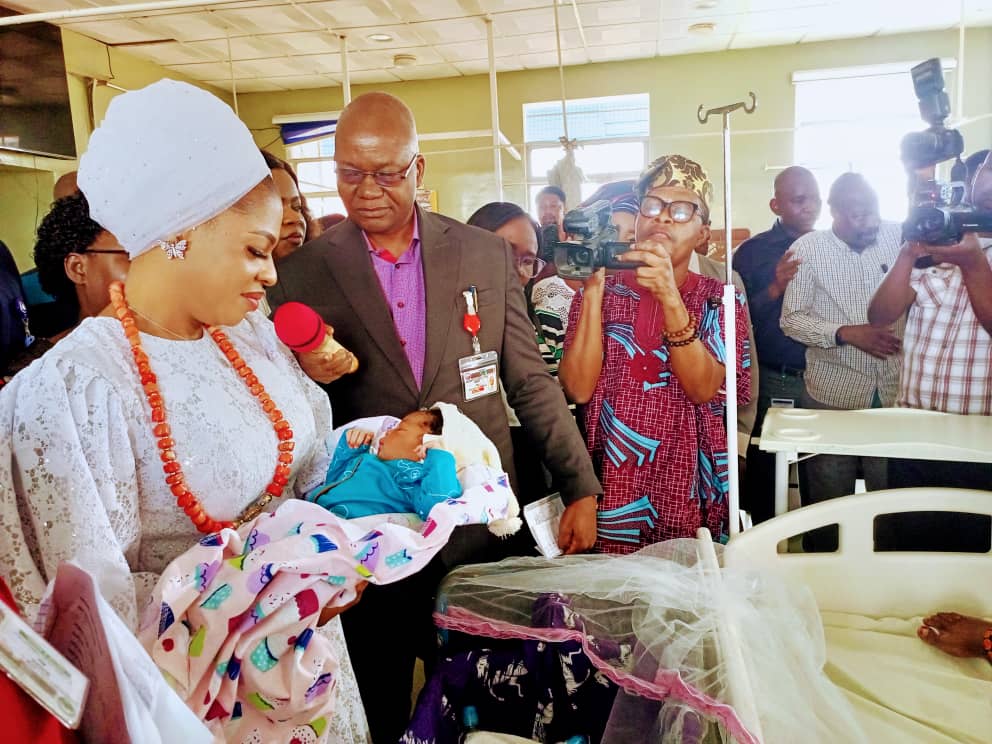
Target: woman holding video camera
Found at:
645, 354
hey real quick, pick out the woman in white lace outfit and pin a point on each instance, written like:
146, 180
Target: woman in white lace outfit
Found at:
91, 475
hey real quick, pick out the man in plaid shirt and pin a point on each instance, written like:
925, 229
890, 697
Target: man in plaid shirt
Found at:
947, 356
850, 364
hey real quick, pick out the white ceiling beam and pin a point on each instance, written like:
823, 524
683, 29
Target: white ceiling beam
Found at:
95, 12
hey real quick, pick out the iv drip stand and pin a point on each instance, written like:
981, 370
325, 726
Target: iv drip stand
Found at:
729, 313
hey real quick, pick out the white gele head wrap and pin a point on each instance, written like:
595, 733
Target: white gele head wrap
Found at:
166, 158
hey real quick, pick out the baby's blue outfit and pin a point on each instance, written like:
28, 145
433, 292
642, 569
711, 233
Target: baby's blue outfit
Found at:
359, 484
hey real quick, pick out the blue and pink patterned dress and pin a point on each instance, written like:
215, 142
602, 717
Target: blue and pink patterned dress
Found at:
662, 459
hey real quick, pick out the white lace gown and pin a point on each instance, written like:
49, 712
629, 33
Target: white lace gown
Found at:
84, 480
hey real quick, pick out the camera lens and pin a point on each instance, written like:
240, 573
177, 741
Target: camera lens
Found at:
582, 257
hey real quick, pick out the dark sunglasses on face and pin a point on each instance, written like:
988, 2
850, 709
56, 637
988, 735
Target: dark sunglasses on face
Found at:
388, 179
680, 211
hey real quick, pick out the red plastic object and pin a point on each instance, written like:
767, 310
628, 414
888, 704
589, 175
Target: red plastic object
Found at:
299, 327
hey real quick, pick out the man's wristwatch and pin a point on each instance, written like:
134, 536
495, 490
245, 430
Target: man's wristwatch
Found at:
837, 339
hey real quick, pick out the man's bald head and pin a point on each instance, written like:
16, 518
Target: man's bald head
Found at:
380, 115
851, 188
854, 206
796, 200
379, 167
792, 175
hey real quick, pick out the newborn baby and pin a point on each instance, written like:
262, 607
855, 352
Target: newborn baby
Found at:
389, 471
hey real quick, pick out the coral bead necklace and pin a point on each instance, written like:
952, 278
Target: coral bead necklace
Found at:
173, 470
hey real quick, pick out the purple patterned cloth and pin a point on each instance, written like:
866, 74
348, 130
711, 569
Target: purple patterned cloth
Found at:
533, 689
402, 282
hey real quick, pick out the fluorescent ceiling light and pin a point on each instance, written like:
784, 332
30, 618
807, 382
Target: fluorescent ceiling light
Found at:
380, 37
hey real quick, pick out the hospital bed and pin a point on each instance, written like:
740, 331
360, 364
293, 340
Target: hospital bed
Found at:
871, 603
902, 690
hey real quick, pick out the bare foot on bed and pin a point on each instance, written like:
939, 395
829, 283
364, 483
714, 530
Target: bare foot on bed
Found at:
954, 634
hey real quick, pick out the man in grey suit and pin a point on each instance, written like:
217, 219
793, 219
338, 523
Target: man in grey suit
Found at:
390, 280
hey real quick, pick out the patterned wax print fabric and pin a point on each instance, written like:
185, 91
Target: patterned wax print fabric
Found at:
541, 690
233, 621
661, 458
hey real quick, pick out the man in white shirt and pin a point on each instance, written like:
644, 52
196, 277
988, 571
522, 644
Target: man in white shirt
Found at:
849, 363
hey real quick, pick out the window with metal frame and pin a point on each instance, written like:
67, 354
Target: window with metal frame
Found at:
853, 119
313, 162
613, 132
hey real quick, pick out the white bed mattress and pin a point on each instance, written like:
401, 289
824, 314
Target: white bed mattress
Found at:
902, 689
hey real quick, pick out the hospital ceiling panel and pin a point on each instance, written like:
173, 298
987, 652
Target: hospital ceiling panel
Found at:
426, 72
175, 53
270, 38
351, 13
296, 82
631, 51
481, 66
248, 86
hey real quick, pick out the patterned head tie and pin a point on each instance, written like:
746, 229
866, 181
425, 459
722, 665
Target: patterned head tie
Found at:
677, 170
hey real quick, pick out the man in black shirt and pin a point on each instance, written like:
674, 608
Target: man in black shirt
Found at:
766, 266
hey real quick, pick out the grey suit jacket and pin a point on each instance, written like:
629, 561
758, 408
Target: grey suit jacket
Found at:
333, 274
746, 415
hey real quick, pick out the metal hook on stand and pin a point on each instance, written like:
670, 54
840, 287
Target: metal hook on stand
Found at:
730, 310
728, 109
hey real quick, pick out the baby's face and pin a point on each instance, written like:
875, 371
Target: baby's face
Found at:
403, 442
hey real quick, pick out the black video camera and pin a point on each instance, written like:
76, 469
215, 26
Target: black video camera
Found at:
597, 247
938, 214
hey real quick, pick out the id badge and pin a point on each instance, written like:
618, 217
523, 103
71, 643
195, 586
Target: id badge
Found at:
480, 375
44, 673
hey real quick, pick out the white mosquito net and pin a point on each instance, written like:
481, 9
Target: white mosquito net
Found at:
699, 653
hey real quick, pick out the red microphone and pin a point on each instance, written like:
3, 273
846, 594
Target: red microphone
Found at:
304, 331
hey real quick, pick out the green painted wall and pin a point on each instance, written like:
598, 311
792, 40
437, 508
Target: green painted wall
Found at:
677, 85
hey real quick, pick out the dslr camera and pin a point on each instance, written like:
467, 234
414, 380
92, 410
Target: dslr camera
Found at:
597, 244
938, 213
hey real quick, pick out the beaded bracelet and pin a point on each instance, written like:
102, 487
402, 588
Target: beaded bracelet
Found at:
685, 341
987, 644
689, 332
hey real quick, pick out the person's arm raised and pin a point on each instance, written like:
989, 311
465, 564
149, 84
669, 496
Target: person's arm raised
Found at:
976, 272
894, 295
699, 373
582, 362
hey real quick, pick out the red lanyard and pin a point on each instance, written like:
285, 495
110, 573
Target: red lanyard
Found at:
471, 321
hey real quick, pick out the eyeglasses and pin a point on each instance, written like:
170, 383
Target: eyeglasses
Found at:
529, 265
388, 179
108, 251
681, 211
